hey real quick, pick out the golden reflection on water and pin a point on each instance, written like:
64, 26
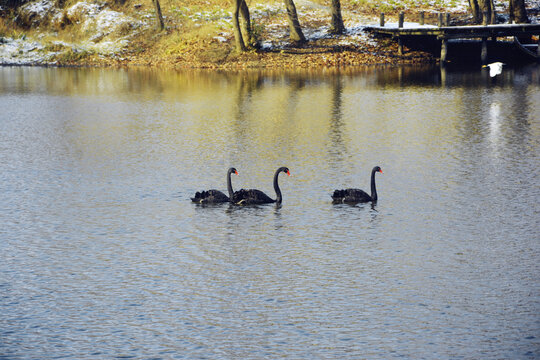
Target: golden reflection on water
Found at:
336, 119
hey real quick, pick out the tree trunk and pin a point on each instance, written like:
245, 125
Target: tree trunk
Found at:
476, 13
337, 26
296, 34
159, 18
493, 13
487, 6
479, 7
238, 39
518, 13
249, 39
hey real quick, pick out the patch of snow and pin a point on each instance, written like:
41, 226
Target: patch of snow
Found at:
279, 33
107, 47
408, 25
102, 22
357, 34
104, 25
451, 5
39, 7
220, 39
210, 15
83, 9
35, 12
223, 37
263, 11
317, 34
21, 51
108, 21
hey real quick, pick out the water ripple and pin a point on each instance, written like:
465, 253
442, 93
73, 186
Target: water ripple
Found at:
103, 254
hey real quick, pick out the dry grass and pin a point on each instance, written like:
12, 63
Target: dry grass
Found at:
72, 56
198, 33
10, 29
394, 6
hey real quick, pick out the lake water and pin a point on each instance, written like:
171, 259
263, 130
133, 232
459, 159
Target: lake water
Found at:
103, 255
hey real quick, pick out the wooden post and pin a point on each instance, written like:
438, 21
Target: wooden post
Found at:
381, 21
400, 46
447, 20
439, 22
421, 19
401, 19
486, 21
444, 50
484, 53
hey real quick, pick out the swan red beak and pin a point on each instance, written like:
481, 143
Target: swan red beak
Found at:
288, 173
236, 172
380, 171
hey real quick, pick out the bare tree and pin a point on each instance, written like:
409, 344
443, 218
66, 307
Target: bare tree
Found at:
238, 38
337, 26
481, 7
475, 9
249, 38
243, 36
489, 6
517, 11
159, 17
296, 33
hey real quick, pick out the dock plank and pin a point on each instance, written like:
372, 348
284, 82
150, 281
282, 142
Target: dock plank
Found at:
445, 33
464, 32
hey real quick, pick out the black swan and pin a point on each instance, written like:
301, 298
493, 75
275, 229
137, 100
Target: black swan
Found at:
254, 196
357, 195
215, 196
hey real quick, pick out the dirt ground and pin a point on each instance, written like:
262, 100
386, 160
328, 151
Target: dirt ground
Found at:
176, 47
355, 47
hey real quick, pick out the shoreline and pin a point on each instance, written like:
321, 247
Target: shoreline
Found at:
326, 53
125, 37
128, 39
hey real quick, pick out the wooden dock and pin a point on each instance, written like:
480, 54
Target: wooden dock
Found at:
416, 32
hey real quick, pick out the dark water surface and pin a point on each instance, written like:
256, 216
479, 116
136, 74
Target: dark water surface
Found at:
102, 254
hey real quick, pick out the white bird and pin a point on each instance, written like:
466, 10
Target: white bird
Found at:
494, 68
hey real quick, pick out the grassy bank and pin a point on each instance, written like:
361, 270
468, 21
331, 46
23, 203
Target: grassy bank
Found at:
198, 34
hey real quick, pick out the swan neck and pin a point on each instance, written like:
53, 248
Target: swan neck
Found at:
229, 186
276, 187
373, 188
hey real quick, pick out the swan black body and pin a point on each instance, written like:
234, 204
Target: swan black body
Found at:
215, 196
353, 196
254, 196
